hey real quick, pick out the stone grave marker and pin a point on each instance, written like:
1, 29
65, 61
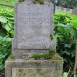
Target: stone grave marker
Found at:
33, 25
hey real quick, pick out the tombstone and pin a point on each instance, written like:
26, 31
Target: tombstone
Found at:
74, 11
33, 25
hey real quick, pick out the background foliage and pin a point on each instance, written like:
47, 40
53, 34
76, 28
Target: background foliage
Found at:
66, 3
6, 33
66, 34
10, 2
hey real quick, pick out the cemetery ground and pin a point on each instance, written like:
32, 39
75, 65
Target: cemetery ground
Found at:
65, 35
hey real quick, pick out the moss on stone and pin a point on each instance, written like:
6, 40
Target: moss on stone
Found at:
48, 55
21, 0
11, 57
51, 36
38, 1
51, 56
56, 57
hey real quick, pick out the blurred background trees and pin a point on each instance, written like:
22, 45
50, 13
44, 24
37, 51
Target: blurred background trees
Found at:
66, 3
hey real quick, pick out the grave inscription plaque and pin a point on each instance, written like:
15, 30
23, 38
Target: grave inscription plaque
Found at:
33, 25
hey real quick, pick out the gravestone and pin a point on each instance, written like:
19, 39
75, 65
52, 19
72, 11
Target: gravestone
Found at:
33, 25
74, 11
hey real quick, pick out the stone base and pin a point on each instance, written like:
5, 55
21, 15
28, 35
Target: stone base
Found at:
33, 68
21, 53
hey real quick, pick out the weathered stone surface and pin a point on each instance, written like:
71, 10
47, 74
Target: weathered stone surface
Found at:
33, 72
75, 11
32, 25
21, 53
33, 68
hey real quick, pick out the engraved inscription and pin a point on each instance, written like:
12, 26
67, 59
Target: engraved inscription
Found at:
33, 26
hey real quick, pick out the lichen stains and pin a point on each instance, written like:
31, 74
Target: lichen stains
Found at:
11, 57
20, 73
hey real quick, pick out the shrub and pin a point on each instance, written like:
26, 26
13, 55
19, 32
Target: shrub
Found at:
5, 50
6, 22
66, 33
6, 33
